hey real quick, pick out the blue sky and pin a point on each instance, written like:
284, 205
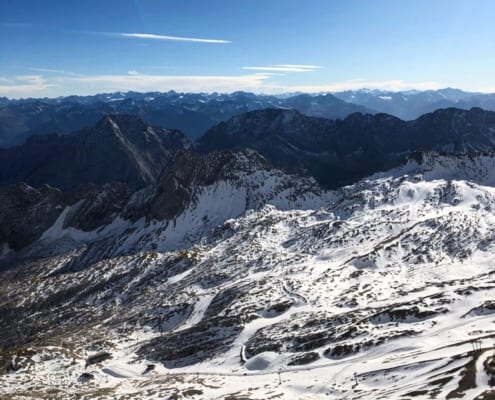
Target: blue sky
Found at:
62, 47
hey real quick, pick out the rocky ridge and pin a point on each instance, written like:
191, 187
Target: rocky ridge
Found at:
343, 151
193, 194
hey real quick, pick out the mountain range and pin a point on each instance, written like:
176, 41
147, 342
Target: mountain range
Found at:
339, 152
189, 112
279, 255
194, 113
122, 148
411, 104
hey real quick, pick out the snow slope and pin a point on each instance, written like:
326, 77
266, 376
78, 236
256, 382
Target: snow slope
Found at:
382, 289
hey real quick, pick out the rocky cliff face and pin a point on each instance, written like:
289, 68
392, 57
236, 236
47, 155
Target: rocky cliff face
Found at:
118, 148
175, 186
193, 194
25, 213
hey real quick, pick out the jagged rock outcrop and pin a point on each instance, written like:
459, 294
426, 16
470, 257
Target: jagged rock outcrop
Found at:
194, 194
25, 213
186, 171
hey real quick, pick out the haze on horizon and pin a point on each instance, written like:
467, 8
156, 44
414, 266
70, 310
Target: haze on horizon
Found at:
73, 47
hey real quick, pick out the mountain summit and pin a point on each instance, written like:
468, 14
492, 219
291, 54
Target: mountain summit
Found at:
118, 148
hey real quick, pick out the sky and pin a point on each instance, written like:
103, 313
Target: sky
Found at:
61, 47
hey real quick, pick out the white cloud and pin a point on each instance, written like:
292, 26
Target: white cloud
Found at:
285, 68
16, 25
303, 66
144, 83
152, 36
31, 79
54, 71
258, 82
25, 86
355, 84
485, 89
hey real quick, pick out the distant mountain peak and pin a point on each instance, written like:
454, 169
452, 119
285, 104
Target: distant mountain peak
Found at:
117, 148
192, 113
339, 152
121, 120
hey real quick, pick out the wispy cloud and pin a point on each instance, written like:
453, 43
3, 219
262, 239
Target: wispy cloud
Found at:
162, 67
54, 71
258, 82
302, 66
142, 82
286, 68
354, 84
25, 86
484, 89
152, 36
16, 25
62, 85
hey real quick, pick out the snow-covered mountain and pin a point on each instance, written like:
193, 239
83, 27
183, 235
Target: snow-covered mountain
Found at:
194, 194
191, 113
194, 113
382, 289
411, 104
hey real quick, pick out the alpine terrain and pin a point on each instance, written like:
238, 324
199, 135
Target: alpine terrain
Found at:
247, 200
227, 278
